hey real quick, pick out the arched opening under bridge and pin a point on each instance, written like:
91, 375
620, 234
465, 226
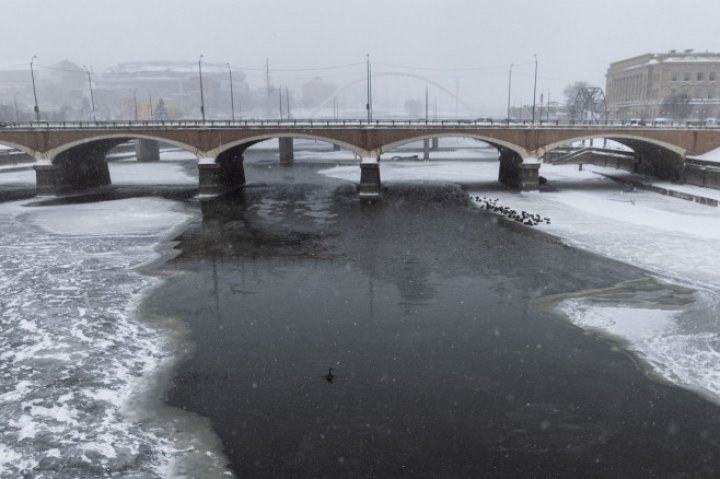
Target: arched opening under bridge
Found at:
256, 159
616, 152
116, 159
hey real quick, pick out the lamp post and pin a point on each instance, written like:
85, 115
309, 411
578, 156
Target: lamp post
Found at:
426, 104
232, 96
136, 105
534, 90
17, 118
32, 74
150, 103
509, 86
368, 106
92, 97
202, 93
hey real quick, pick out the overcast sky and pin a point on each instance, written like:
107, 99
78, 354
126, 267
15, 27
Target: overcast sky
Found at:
463, 44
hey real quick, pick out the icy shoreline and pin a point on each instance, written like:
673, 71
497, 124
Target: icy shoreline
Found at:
82, 372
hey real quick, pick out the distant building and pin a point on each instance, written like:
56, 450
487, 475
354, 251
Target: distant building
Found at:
681, 85
132, 89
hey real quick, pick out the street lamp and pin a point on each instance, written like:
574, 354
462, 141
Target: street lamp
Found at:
17, 118
136, 105
368, 105
202, 93
150, 103
32, 74
509, 86
534, 90
92, 98
232, 96
426, 104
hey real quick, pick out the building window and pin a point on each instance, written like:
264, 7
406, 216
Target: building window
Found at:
686, 76
675, 76
699, 76
712, 76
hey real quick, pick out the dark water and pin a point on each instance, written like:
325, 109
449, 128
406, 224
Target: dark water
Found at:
421, 305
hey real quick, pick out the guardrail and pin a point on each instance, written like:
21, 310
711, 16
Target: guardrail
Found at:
345, 123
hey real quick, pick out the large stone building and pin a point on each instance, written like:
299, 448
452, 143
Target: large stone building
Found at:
680, 85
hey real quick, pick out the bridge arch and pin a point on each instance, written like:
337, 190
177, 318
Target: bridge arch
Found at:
82, 163
499, 144
517, 167
652, 157
241, 145
624, 139
25, 149
118, 138
221, 168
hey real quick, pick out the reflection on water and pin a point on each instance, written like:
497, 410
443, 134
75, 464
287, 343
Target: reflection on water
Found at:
419, 304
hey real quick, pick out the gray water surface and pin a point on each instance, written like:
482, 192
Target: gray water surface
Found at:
422, 305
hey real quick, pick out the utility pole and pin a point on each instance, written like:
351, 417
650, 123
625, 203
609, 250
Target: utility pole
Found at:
92, 97
368, 106
426, 104
202, 93
548, 106
17, 118
232, 96
267, 75
457, 95
287, 101
136, 105
150, 104
509, 87
534, 90
32, 74
280, 98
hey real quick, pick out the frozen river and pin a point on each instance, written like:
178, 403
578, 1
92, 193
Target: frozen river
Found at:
80, 369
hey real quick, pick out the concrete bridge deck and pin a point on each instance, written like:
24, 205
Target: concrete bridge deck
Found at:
71, 155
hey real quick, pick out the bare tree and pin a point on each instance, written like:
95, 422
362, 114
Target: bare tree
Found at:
676, 106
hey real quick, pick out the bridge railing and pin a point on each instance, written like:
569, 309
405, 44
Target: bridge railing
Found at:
450, 123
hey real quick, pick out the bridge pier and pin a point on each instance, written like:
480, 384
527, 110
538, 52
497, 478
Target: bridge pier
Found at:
516, 174
369, 179
226, 173
147, 150
435, 143
287, 155
661, 163
46, 180
79, 168
426, 149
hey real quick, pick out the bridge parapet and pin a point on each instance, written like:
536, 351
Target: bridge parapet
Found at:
661, 151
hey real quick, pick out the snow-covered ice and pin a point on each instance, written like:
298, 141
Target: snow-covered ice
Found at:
79, 373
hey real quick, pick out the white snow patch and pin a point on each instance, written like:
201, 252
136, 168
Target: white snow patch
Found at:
128, 216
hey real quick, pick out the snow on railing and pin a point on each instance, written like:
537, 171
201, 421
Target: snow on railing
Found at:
345, 123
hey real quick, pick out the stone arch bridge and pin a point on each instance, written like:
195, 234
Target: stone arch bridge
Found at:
71, 156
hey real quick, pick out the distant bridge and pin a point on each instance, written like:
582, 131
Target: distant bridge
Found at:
71, 155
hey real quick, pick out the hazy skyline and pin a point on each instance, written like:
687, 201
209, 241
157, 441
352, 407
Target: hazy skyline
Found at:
463, 44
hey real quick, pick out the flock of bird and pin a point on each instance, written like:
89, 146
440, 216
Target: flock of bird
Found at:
530, 219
